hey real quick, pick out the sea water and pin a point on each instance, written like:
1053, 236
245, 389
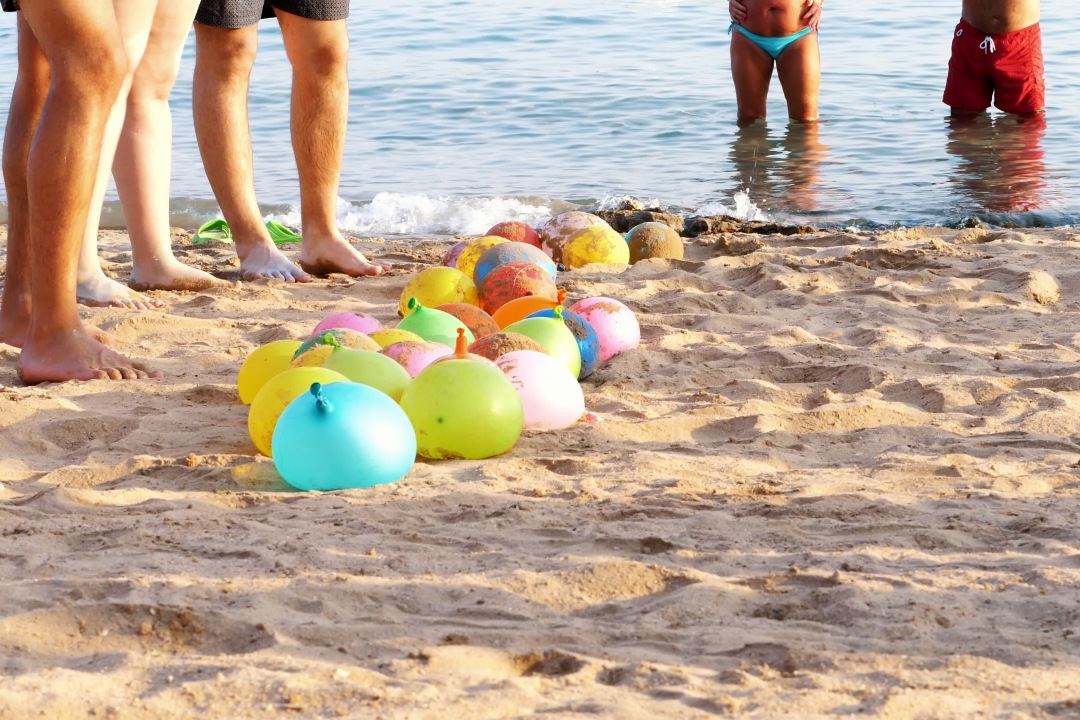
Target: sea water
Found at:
467, 112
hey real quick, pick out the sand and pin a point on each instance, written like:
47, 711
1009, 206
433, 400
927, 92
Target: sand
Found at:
840, 476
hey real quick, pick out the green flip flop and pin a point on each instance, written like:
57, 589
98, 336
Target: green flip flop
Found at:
281, 234
213, 231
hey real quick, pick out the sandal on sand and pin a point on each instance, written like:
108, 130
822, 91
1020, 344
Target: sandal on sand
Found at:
213, 231
281, 234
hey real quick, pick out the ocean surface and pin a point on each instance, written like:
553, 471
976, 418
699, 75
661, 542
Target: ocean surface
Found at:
468, 112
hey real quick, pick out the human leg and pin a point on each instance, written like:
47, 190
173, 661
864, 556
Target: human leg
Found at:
80, 39
319, 52
751, 70
95, 288
799, 70
144, 156
27, 100
223, 61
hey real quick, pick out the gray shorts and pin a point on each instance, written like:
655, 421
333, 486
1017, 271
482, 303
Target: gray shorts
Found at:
244, 13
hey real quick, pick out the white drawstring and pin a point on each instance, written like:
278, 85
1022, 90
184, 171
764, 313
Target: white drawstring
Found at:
988, 46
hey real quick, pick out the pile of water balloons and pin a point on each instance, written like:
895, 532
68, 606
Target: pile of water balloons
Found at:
484, 350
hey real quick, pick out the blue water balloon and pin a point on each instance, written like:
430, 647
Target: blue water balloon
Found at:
343, 435
588, 342
509, 252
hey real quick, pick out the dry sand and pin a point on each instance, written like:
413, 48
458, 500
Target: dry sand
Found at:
839, 477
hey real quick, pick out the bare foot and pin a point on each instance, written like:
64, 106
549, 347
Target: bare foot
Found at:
264, 260
172, 274
101, 291
75, 355
333, 254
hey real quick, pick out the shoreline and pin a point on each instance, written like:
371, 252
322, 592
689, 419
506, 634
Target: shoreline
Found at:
839, 475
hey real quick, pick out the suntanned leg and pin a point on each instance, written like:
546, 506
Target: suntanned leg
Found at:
223, 60
143, 161
27, 100
95, 288
751, 69
799, 70
319, 52
80, 38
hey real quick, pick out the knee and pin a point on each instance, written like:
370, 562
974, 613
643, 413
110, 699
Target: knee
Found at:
327, 54
153, 83
96, 74
225, 52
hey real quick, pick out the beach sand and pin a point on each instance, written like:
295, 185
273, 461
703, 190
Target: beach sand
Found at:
841, 475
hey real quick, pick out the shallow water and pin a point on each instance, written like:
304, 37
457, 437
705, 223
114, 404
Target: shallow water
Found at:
465, 113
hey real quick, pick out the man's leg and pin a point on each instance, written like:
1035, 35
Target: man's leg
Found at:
81, 40
751, 70
799, 70
94, 287
223, 60
319, 53
143, 161
27, 100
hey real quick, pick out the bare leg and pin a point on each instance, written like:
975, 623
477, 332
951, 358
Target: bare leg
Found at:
223, 60
27, 100
80, 39
799, 70
143, 161
751, 69
95, 288
319, 53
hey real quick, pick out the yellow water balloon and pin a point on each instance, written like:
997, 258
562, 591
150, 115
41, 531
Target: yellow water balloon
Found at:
261, 364
276, 395
466, 262
438, 285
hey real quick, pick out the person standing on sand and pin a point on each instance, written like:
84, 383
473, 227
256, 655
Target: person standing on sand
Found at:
139, 136
780, 33
997, 54
317, 43
50, 161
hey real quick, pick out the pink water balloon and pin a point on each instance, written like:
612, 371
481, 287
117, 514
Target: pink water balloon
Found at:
550, 396
616, 326
350, 321
415, 356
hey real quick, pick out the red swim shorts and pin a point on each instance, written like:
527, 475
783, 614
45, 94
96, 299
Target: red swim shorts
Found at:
1008, 68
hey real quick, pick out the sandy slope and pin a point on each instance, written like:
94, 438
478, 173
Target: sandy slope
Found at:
840, 476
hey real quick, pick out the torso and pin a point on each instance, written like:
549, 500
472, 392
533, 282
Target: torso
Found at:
997, 17
774, 18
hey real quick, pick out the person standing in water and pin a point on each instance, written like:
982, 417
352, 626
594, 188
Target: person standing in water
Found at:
997, 56
780, 34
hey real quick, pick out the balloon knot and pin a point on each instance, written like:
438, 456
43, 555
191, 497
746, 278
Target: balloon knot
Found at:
558, 311
330, 338
461, 348
320, 400
413, 303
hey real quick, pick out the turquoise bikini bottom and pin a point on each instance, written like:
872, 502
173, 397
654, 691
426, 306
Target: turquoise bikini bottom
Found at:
772, 45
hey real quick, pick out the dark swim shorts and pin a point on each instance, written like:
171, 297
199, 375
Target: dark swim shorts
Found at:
10, 5
243, 13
